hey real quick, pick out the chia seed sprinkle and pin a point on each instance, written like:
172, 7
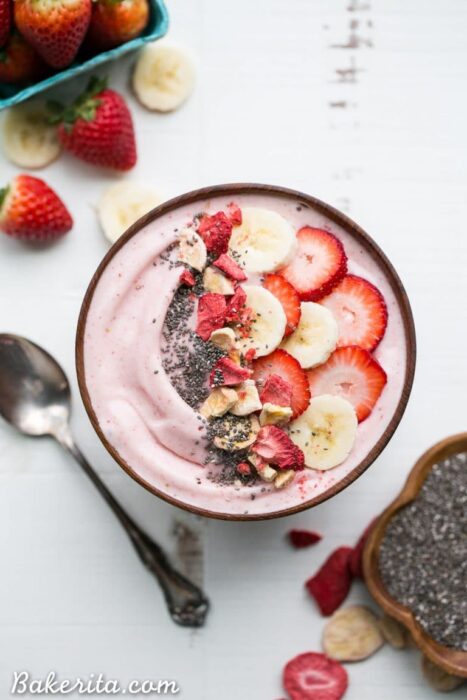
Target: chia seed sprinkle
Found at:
423, 555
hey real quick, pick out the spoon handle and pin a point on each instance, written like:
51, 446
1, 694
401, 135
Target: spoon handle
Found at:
187, 604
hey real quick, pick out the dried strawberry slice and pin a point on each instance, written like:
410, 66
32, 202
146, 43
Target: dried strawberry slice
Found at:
276, 447
215, 231
187, 278
277, 391
331, 583
212, 309
230, 268
235, 214
314, 676
303, 538
227, 373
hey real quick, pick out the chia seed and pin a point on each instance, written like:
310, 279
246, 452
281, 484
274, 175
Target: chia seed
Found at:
423, 555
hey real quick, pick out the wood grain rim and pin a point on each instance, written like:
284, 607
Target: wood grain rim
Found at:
307, 201
451, 660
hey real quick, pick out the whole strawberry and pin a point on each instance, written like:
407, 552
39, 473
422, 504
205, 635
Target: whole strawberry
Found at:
115, 21
98, 127
30, 210
55, 28
19, 62
5, 21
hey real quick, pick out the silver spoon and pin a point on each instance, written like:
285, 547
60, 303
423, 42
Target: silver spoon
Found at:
35, 398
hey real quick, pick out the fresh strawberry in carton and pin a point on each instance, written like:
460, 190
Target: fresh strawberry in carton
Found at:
19, 62
5, 21
55, 28
113, 22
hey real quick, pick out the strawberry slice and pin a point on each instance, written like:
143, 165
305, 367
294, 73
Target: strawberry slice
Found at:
318, 265
360, 311
350, 372
314, 676
288, 297
287, 367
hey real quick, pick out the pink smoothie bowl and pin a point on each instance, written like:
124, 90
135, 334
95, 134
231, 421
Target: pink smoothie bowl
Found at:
129, 401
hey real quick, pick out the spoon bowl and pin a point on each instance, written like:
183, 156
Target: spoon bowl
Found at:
34, 390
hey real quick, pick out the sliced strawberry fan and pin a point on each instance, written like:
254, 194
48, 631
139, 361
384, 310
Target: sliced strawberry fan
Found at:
360, 311
350, 372
318, 265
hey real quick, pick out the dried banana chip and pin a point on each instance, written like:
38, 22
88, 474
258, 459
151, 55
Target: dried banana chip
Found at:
352, 634
438, 679
393, 632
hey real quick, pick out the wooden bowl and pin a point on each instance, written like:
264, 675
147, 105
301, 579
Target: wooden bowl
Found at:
451, 660
364, 240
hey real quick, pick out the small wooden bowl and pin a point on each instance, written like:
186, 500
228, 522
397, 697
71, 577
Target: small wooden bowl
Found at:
306, 201
451, 660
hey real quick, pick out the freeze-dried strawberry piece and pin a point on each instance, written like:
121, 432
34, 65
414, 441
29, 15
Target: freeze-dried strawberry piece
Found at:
275, 446
244, 468
303, 538
235, 214
276, 390
226, 372
331, 583
238, 312
250, 355
211, 314
187, 278
355, 562
314, 676
215, 231
230, 268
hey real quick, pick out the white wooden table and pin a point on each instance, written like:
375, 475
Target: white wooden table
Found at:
363, 104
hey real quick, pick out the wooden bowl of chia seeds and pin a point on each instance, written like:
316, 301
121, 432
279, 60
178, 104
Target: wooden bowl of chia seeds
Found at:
415, 559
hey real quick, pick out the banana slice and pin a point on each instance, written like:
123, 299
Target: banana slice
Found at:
352, 634
215, 281
316, 336
267, 324
163, 78
325, 432
29, 141
192, 250
264, 240
234, 433
122, 204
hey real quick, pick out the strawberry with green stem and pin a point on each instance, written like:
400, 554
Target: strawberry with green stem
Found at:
56, 28
30, 210
97, 127
113, 22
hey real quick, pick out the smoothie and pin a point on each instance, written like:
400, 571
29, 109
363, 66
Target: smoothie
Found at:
243, 354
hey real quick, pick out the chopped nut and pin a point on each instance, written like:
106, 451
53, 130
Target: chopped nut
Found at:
273, 414
224, 338
284, 478
215, 281
264, 471
248, 399
191, 249
230, 440
219, 401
